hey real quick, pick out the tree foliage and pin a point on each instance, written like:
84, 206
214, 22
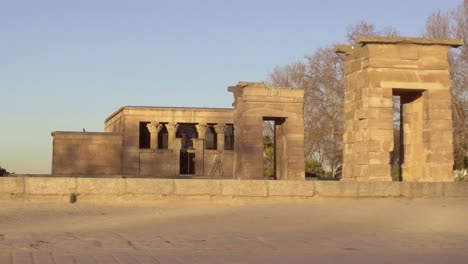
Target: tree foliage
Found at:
314, 168
268, 157
365, 28
3, 172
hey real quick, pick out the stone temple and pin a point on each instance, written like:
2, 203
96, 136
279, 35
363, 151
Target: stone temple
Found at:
166, 142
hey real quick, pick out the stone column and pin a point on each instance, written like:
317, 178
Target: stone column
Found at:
199, 145
438, 134
412, 153
172, 130
154, 128
219, 128
177, 144
201, 129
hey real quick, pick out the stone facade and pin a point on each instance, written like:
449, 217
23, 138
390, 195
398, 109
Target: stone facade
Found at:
418, 71
165, 142
153, 161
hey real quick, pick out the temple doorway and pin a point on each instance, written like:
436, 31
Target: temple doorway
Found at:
187, 132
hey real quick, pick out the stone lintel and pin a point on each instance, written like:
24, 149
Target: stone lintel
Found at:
261, 89
407, 40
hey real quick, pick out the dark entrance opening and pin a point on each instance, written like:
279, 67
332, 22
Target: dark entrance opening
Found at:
187, 162
273, 147
187, 132
406, 157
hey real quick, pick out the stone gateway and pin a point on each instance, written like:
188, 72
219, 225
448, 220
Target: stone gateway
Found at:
418, 71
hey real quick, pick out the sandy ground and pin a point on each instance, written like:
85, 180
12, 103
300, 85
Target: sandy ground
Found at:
184, 231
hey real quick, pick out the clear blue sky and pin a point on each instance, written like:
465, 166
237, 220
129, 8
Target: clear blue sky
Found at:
67, 65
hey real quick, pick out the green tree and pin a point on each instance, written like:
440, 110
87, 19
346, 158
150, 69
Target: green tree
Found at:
314, 168
3, 172
268, 157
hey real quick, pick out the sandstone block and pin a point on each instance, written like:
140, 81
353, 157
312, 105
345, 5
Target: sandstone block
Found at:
423, 189
379, 170
100, 186
150, 186
441, 125
379, 102
11, 185
380, 123
441, 171
380, 134
407, 189
49, 186
455, 189
440, 157
291, 188
197, 187
337, 188
379, 157
438, 114
356, 65
380, 113
379, 189
437, 104
408, 52
439, 95
253, 188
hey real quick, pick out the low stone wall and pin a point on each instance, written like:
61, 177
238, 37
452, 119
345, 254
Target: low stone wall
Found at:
31, 188
86, 153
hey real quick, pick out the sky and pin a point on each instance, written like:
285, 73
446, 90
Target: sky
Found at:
67, 65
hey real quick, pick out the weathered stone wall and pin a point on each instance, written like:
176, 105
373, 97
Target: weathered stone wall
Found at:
115, 123
255, 102
130, 189
84, 153
417, 70
161, 163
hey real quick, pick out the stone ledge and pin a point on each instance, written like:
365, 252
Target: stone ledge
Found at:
149, 186
337, 189
379, 189
197, 187
252, 188
49, 186
32, 188
291, 188
409, 40
11, 185
100, 186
